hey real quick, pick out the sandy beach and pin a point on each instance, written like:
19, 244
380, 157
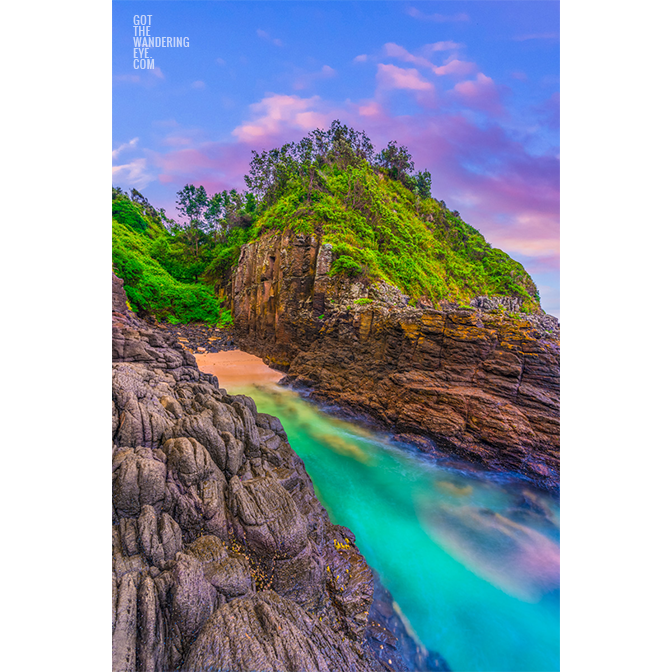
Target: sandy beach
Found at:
236, 369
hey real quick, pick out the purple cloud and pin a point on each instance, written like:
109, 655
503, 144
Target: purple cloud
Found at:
480, 93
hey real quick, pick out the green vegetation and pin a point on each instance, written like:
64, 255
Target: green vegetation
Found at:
139, 242
379, 217
363, 302
225, 319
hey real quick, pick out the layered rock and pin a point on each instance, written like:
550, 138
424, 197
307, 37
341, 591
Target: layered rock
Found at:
223, 558
477, 381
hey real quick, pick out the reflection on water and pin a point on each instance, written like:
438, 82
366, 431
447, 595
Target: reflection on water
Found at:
471, 558
516, 558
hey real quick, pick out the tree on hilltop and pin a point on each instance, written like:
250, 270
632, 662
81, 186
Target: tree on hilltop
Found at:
397, 160
340, 146
192, 204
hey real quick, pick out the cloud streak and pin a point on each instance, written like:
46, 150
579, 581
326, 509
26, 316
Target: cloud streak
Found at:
396, 51
456, 68
392, 77
134, 173
127, 145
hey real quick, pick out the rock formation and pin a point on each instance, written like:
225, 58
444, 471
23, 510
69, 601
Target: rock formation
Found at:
477, 381
223, 559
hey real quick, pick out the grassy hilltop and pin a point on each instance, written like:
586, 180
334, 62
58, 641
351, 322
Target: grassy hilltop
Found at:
380, 218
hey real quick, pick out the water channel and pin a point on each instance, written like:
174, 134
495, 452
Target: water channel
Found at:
471, 557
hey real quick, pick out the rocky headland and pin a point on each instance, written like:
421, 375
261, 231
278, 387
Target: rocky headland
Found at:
478, 381
223, 558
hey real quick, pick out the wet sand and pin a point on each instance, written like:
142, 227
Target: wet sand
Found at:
236, 369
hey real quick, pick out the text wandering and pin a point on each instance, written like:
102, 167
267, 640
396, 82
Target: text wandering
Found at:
143, 41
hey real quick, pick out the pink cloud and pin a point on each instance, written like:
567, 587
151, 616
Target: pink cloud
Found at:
184, 161
456, 67
480, 93
178, 136
307, 121
517, 210
216, 166
277, 112
390, 76
371, 109
474, 89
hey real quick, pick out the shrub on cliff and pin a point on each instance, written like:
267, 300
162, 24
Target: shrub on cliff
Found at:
149, 286
346, 266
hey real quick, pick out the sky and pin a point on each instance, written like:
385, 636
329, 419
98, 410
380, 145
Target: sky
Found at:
471, 88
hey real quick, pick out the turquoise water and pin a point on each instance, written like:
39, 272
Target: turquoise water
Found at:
472, 559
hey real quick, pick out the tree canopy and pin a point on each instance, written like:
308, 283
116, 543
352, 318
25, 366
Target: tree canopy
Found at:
339, 146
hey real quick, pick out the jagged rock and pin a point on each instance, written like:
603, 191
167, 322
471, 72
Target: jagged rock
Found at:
229, 573
219, 545
151, 638
496, 302
139, 479
479, 382
267, 517
267, 633
125, 625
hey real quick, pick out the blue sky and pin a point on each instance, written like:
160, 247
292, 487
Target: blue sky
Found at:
471, 88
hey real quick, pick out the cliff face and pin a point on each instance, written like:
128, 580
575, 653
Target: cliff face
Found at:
223, 558
477, 382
